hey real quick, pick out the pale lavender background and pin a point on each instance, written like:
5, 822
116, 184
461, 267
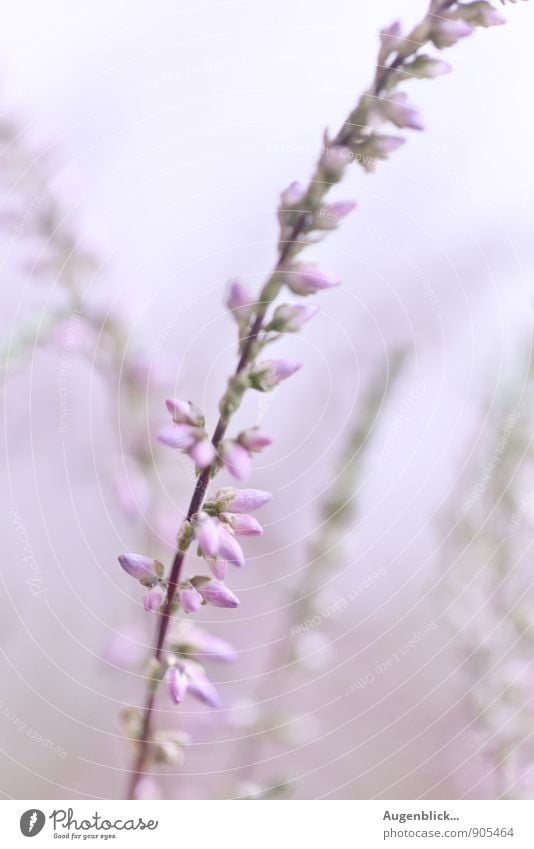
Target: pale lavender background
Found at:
173, 130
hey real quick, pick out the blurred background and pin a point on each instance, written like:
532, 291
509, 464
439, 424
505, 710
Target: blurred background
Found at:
384, 654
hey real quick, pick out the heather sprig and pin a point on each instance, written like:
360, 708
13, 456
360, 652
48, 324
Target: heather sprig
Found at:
302, 215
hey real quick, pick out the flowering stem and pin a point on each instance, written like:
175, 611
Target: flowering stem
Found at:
356, 135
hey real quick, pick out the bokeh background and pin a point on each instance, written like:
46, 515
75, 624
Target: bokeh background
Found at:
167, 132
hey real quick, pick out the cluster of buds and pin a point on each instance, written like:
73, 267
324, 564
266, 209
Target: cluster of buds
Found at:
401, 58
236, 454
214, 529
188, 432
149, 573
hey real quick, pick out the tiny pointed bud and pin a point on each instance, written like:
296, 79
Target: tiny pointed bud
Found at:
202, 453
218, 568
293, 195
183, 412
207, 646
307, 279
400, 112
230, 549
242, 524
236, 459
177, 684
203, 690
290, 318
382, 146
242, 500
155, 597
239, 300
139, 566
218, 594
254, 439
179, 435
206, 532
267, 374
424, 67
190, 599
390, 37
445, 32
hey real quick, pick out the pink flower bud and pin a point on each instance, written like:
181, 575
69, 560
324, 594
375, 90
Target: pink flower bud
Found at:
230, 549
242, 500
204, 691
236, 459
254, 439
179, 435
218, 568
202, 453
207, 646
293, 195
290, 318
390, 37
183, 412
307, 279
139, 566
206, 532
445, 32
239, 300
218, 594
400, 112
423, 67
190, 599
266, 375
177, 684
382, 146
242, 524
155, 597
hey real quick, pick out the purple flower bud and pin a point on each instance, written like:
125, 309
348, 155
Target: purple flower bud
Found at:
218, 568
230, 549
239, 300
242, 524
203, 453
139, 566
155, 597
236, 459
390, 37
445, 32
204, 691
206, 532
190, 599
255, 439
382, 146
400, 112
218, 594
490, 17
183, 412
177, 684
307, 279
209, 647
179, 435
242, 500
293, 195
266, 375
424, 67
289, 318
